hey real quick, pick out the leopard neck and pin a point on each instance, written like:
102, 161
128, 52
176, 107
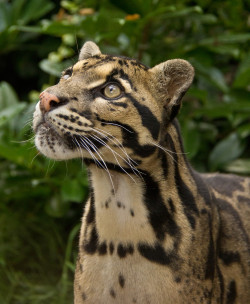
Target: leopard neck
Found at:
149, 207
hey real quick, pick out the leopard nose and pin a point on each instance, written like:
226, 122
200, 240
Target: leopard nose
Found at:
48, 101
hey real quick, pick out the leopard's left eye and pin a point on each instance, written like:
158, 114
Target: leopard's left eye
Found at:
112, 91
67, 73
66, 76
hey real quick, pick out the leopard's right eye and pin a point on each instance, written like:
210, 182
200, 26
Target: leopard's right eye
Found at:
112, 91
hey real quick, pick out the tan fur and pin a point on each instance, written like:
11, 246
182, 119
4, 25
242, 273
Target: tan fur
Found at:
153, 230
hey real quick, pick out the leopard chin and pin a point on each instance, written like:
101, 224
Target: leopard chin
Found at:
52, 145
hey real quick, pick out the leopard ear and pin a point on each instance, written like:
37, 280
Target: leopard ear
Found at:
88, 50
173, 78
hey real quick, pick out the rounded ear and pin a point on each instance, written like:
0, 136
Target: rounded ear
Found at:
89, 49
173, 77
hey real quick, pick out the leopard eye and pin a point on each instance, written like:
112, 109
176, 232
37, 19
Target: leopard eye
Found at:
66, 76
112, 91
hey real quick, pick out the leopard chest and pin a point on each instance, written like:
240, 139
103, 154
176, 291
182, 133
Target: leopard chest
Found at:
128, 279
122, 260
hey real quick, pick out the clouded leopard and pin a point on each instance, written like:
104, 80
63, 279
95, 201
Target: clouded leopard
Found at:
153, 230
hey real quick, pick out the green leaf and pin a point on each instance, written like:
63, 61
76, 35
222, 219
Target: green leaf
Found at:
72, 191
59, 28
226, 39
54, 68
133, 6
34, 9
238, 166
16, 10
191, 138
8, 96
55, 207
8, 113
225, 151
4, 16
242, 78
21, 155
211, 74
244, 130
225, 50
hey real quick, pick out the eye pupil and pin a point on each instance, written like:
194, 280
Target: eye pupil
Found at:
112, 91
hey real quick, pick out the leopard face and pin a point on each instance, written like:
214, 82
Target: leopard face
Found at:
109, 109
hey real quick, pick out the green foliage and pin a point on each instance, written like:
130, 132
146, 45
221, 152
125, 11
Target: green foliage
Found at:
39, 209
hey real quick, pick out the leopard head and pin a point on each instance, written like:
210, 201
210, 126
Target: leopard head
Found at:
109, 108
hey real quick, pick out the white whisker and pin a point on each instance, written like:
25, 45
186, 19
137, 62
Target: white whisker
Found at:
114, 124
84, 139
113, 139
79, 149
114, 152
135, 170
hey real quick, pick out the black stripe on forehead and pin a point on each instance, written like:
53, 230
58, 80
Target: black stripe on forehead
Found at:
97, 61
121, 61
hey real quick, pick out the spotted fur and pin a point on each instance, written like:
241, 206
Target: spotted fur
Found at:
153, 229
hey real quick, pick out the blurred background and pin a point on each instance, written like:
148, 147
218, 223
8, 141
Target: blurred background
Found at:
41, 201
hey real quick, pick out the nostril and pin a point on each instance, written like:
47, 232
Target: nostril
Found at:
54, 104
48, 101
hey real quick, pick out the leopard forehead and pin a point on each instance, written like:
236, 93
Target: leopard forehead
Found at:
101, 67
104, 60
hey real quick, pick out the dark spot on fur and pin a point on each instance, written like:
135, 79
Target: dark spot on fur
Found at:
229, 257
112, 293
172, 207
174, 111
226, 184
90, 246
132, 212
178, 280
160, 218
204, 211
156, 253
102, 250
84, 297
111, 248
123, 250
243, 199
121, 280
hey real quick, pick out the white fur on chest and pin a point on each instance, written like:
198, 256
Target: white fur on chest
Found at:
120, 214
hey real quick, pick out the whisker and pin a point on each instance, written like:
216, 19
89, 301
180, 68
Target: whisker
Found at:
135, 170
23, 141
96, 150
120, 145
115, 124
169, 152
114, 152
34, 157
79, 149
84, 145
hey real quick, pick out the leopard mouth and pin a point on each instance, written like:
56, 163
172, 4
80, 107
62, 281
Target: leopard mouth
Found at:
42, 124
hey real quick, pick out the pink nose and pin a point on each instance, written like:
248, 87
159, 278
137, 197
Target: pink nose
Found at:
48, 101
